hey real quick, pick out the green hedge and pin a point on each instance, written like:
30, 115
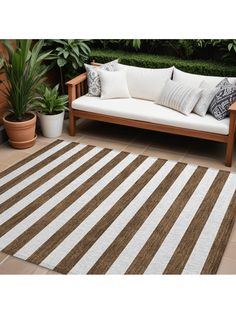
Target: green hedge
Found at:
157, 61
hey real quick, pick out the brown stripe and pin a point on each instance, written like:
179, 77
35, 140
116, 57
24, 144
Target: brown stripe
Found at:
82, 247
26, 236
117, 246
35, 168
5, 227
29, 158
185, 247
38, 256
31, 187
156, 239
217, 250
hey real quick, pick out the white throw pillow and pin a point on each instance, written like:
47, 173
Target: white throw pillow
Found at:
208, 93
94, 84
145, 83
204, 102
194, 80
113, 84
179, 97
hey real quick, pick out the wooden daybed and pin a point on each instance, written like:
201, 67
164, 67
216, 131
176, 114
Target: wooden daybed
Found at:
77, 87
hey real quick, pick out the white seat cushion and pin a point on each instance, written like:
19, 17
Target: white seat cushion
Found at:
194, 80
148, 111
145, 83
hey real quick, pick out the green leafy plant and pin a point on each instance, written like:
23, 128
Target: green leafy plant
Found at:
134, 43
222, 49
232, 45
50, 102
128, 44
69, 55
24, 73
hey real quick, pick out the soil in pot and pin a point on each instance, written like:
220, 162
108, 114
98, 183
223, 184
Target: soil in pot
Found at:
12, 118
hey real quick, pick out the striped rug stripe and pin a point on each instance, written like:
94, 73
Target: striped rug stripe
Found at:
25, 187
99, 247
178, 260
81, 209
105, 261
171, 241
45, 186
98, 211
143, 249
26, 160
213, 223
71, 211
63, 181
95, 232
40, 224
61, 234
33, 168
61, 200
217, 250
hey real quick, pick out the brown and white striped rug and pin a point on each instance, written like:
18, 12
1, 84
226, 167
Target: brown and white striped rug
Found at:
82, 209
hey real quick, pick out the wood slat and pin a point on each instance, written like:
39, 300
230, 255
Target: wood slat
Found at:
151, 126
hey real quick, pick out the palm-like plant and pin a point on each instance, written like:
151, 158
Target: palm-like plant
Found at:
24, 72
50, 101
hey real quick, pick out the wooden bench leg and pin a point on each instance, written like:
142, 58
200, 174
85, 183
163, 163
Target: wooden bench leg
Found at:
229, 153
72, 120
230, 143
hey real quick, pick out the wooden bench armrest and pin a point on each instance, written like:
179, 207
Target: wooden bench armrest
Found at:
232, 108
77, 87
78, 79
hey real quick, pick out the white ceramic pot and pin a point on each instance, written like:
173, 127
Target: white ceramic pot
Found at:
51, 125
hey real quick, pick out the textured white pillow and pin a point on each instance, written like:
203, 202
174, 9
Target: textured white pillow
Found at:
113, 84
145, 83
94, 84
193, 80
179, 97
208, 93
204, 101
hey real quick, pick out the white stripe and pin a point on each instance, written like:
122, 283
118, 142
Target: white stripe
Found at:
75, 236
32, 163
46, 186
202, 248
125, 259
46, 207
68, 213
36, 175
169, 245
100, 246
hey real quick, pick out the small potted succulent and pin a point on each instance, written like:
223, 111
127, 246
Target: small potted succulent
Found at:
51, 110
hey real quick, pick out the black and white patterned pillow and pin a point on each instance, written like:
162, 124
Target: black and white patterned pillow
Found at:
94, 84
224, 97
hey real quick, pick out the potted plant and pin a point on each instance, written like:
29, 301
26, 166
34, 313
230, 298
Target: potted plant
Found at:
52, 108
24, 72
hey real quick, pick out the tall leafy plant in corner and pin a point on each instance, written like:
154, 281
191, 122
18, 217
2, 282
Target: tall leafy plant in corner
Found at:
24, 72
69, 55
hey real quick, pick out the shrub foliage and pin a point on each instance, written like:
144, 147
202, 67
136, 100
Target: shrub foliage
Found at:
158, 61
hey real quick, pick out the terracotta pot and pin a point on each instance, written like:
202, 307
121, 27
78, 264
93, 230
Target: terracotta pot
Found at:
21, 134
